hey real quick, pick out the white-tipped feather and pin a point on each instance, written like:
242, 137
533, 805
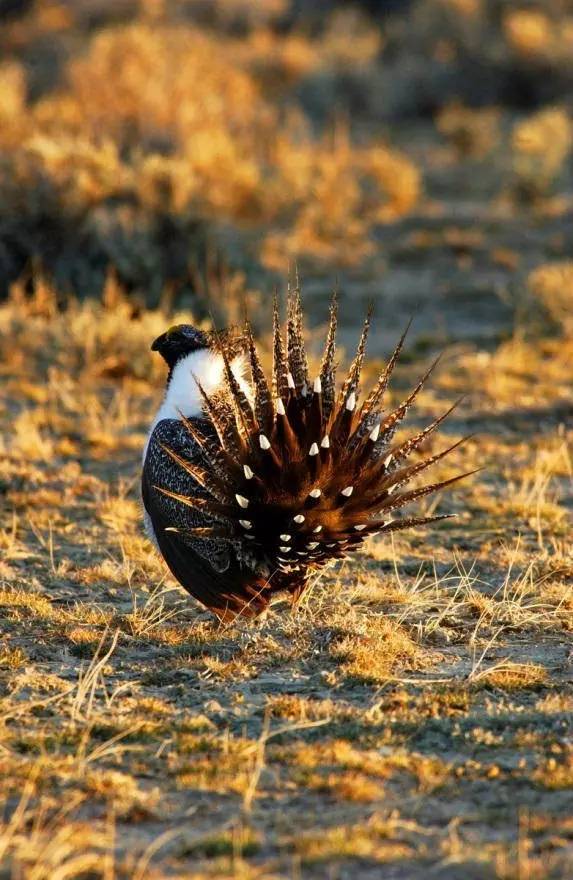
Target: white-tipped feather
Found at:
299, 518
242, 501
348, 491
248, 472
351, 401
325, 442
264, 442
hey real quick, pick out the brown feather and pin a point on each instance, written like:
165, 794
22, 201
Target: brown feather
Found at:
373, 400
280, 367
328, 365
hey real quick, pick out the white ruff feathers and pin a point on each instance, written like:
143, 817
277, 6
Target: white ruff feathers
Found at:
183, 397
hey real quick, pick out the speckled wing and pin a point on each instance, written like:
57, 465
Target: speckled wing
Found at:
218, 572
160, 472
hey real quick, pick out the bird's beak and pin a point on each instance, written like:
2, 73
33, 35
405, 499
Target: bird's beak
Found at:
157, 343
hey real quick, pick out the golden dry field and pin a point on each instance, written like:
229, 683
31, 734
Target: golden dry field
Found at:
164, 161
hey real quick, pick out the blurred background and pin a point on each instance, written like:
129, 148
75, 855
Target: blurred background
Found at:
184, 152
166, 161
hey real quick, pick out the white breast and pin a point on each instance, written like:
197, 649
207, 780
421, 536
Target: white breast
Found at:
182, 395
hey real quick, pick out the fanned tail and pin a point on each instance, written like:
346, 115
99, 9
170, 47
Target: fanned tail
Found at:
299, 474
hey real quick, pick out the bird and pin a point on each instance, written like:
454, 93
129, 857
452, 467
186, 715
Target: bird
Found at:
252, 484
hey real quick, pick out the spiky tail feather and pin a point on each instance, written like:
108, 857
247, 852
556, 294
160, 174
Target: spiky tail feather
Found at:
304, 478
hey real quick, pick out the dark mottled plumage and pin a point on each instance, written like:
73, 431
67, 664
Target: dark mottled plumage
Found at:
198, 563
250, 496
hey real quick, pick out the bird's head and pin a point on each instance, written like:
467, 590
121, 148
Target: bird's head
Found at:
179, 341
183, 339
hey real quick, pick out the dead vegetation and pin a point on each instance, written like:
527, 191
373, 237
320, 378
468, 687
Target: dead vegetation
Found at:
129, 151
541, 144
414, 716
552, 285
138, 738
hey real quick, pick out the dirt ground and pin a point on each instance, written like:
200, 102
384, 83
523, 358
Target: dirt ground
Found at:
415, 713
414, 717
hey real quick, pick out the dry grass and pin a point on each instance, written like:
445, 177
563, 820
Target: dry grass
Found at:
424, 674
551, 284
473, 133
128, 150
541, 145
413, 717
533, 34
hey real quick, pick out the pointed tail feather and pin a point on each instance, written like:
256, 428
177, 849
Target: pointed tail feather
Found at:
328, 365
263, 397
394, 502
391, 422
353, 378
373, 400
243, 411
226, 428
412, 444
295, 340
280, 364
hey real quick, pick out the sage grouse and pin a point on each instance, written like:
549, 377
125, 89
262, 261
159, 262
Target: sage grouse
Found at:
249, 488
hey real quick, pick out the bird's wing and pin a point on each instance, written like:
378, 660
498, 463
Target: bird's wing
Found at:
206, 568
161, 472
